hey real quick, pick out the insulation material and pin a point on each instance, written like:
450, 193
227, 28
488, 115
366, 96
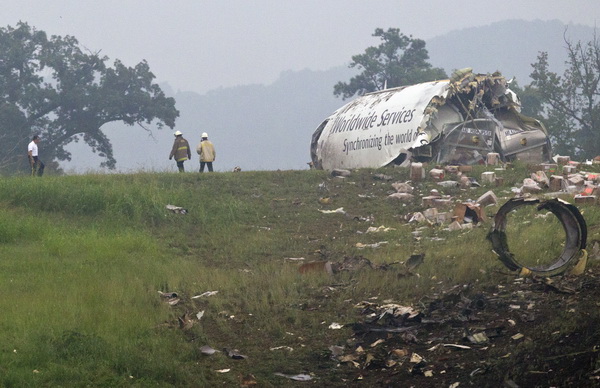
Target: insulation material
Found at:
456, 121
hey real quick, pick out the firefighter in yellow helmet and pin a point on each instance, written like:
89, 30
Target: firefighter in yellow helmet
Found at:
181, 151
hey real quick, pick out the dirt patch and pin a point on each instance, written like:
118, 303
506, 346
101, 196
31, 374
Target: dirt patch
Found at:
525, 333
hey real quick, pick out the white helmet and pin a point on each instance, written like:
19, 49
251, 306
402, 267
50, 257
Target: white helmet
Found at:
178, 133
204, 135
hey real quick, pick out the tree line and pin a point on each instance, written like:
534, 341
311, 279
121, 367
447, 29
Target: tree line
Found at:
568, 104
53, 87
57, 89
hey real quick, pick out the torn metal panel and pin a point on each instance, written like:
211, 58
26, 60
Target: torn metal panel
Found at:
459, 120
571, 220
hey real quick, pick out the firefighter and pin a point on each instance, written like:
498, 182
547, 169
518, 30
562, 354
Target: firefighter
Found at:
207, 153
181, 151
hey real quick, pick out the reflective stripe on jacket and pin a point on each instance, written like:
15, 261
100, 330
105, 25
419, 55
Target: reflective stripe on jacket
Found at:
206, 150
181, 150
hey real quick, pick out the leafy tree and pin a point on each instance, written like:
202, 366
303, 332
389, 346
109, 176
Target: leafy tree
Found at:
571, 102
54, 88
399, 60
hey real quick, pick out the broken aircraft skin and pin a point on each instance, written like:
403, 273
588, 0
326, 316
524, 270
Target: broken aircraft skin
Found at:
456, 121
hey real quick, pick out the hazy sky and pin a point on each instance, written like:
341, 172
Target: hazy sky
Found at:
199, 45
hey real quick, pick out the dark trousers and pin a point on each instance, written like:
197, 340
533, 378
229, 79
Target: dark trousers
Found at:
208, 164
180, 166
37, 168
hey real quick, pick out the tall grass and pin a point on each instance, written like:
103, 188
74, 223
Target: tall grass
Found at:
83, 259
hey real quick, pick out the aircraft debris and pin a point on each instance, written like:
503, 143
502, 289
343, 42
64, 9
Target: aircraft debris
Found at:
469, 212
403, 187
205, 349
382, 228
316, 267
288, 348
487, 198
234, 354
338, 172
373, 245
457, 121
170, 297
204, 294
325, 200
339, 210
571, 220
176, 209
185, 321
402, 197
298, 377
248, 380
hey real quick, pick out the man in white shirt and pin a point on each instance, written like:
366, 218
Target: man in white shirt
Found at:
37, 166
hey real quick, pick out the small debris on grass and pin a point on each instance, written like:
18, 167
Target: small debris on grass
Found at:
373, 229
294, 258
402, 197
456, 346
417, 217
335, 326
185, 322
208, 350
379, 341
207, 293
248, 380
374, 245
415, 358
234, 354
170, 297
176, 209
402, 187
478, 338
517, 336
299, 377
579, 268
316, 267
325, 200
448, 184
339, 210
338, 172
288, 348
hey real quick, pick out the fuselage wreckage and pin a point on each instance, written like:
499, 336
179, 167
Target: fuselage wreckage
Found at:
455, 121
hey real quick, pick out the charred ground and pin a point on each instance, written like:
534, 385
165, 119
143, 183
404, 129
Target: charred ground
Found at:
495, 330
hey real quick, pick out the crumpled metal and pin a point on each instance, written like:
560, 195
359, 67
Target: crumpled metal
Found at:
569, 216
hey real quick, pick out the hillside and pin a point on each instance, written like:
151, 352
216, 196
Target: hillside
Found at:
108, 287
509, 46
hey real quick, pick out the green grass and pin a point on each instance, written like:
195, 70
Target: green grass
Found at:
83, 259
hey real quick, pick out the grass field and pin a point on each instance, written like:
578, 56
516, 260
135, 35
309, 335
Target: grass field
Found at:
83, 259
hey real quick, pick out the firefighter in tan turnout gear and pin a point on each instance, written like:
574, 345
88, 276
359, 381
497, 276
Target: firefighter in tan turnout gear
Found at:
181, 151
207, 153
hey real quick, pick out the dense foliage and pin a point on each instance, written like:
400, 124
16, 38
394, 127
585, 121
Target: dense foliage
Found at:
53, 87
399, 60
571, 102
